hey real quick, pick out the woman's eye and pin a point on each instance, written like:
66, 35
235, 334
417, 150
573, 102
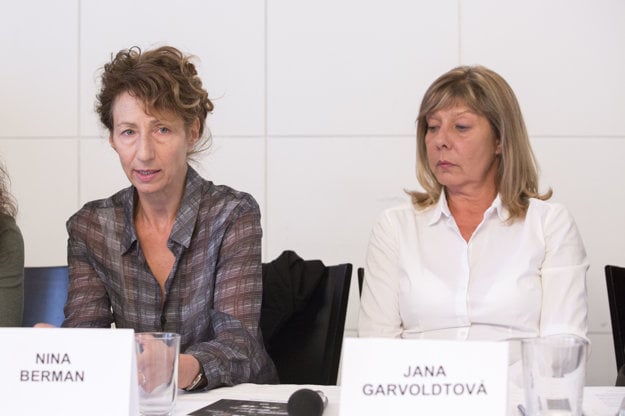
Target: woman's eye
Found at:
462, 127
432, 129
127, 132
163, 130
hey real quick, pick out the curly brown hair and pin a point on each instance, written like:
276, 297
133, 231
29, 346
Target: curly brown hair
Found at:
8, 206
164, 78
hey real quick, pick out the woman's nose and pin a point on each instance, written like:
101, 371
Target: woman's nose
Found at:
441, 139
145, 147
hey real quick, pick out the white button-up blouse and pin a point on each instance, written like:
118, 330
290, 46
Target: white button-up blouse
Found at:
511, 280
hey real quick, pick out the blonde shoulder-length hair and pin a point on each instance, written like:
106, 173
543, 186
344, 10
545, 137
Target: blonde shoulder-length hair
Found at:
487, 94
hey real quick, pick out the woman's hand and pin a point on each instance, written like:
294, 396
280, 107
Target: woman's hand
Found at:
188, 369
44, 325
155, 362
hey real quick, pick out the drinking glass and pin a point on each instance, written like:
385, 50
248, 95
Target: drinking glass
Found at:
554, 371
157, 371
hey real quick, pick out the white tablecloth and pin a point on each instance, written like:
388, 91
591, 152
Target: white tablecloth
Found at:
598, 401
189, 402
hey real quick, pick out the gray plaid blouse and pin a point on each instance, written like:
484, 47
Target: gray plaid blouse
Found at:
212, 295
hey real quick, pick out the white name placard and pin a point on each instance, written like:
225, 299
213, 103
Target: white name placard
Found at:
423, 377
63, 371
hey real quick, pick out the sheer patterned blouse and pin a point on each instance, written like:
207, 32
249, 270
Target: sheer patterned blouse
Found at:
212, 295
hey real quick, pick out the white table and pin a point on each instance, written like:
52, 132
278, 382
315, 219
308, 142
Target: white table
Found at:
602, 401
598, 401
189, 402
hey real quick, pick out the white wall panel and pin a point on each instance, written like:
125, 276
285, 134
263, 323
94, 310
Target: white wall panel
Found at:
226, 36
101, 174
44, 183
564, 59
601, 367
324, 195
354, 67
38, 87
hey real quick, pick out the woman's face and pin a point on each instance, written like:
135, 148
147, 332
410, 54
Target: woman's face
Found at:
152, 149
461, 149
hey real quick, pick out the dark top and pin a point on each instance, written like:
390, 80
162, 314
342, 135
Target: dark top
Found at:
11, 272
212, 294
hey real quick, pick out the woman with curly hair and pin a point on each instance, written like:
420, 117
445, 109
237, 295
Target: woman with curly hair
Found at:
173, 252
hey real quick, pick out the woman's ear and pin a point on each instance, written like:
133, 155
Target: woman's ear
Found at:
194, 131
498, 147
111, 142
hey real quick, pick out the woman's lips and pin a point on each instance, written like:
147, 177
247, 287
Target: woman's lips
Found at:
146, 174
444, 164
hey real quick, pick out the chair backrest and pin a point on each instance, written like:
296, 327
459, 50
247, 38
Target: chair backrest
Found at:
361, 278
45, 293
307, 347
615, 282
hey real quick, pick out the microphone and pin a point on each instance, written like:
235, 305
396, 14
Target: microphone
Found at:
306, 402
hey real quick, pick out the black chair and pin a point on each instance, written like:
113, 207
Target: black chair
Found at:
303, 318
615, 282
45, 293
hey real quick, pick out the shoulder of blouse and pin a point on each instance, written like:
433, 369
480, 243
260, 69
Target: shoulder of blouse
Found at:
92, 211
7, 223
10, 233
547, 209
227, 196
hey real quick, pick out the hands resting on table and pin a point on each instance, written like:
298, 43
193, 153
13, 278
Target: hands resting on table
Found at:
188, 367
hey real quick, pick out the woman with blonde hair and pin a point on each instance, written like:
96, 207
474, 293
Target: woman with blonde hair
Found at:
480, 253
